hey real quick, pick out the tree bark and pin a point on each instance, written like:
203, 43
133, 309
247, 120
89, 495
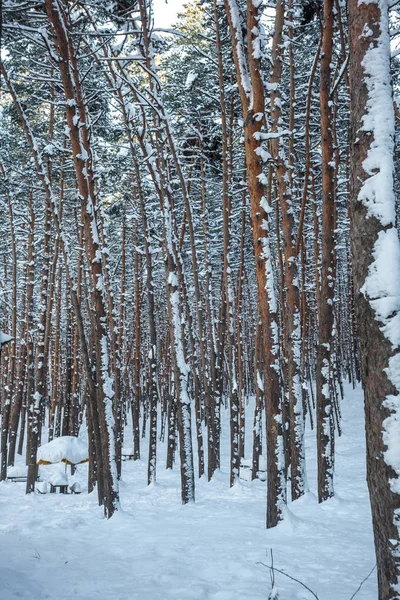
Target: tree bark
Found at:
325, 341
374, 246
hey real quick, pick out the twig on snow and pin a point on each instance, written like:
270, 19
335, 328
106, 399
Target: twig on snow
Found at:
363, 581
290, 577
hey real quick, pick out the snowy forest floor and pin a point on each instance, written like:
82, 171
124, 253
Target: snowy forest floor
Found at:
60, 547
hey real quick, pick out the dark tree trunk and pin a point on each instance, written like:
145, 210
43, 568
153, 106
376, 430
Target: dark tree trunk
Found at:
373, 227
325, 342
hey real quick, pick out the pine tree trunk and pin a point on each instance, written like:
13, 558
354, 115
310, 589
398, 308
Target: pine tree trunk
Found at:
292, 305
325, 342
79, 133
248, 74
374, 246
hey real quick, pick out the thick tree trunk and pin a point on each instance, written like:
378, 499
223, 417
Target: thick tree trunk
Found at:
376, 269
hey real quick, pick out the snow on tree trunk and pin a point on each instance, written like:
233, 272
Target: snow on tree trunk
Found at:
78, 130
292, 311
324, 401
251, 89
376, 269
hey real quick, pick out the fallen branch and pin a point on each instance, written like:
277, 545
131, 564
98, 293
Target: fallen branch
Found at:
363, 581
290, 577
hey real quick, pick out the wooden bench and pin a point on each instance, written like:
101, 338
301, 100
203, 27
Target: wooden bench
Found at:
19, 474
127, 454
246, 468
63, 488
59, 481
17, 478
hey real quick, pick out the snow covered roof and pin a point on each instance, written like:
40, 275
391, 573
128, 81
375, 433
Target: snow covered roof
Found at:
67, 448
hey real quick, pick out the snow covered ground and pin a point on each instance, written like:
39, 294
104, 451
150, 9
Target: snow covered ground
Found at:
60, 547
